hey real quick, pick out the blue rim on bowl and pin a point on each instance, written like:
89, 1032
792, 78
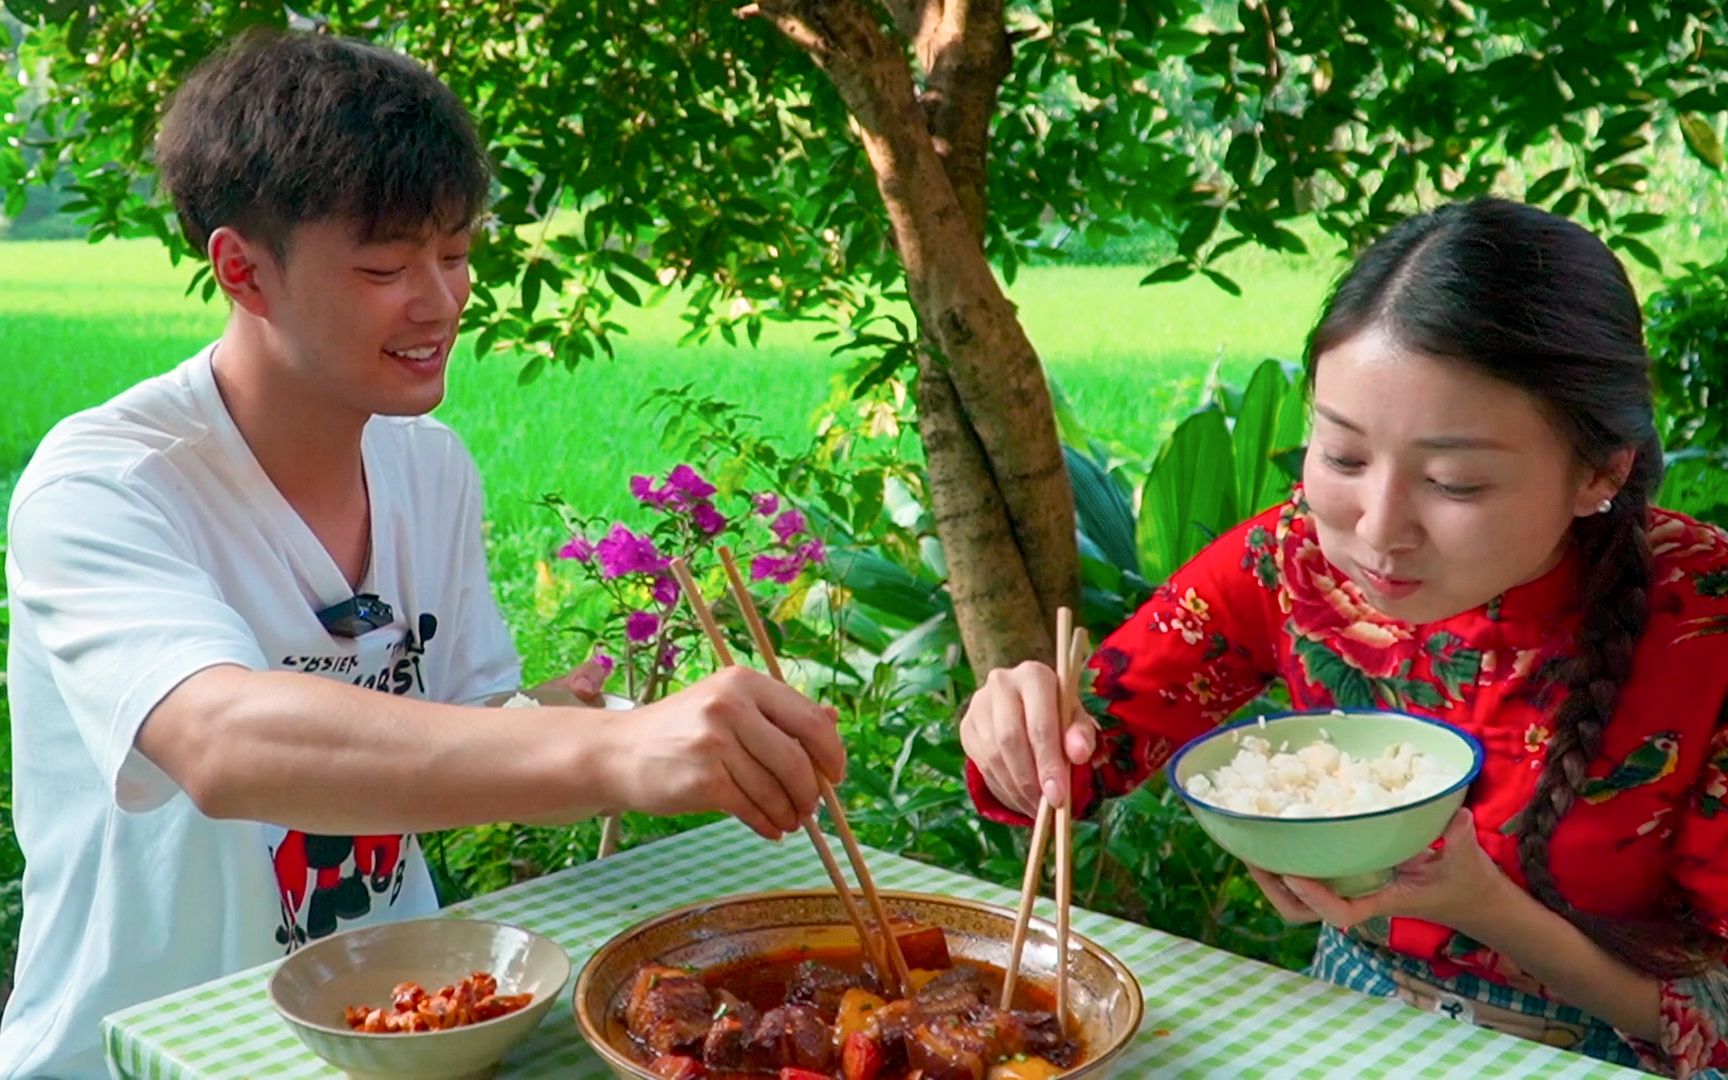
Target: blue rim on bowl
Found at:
1175, 762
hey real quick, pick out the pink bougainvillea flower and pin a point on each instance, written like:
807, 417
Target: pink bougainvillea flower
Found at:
789, 525
641, 626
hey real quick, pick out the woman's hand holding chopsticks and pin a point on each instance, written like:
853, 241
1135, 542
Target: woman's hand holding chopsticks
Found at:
1015, 732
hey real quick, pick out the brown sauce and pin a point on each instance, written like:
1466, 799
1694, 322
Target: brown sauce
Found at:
762, 982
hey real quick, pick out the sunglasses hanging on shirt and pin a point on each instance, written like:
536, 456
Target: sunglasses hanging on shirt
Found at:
360, 614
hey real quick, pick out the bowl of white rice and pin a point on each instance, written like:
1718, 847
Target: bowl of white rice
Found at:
1342, 795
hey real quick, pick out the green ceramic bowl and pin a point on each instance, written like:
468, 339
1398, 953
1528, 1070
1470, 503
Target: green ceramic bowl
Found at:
1352, 853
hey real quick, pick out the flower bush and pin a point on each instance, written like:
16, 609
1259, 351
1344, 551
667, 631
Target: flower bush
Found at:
648, 633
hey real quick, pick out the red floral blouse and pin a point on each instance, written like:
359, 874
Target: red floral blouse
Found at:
1648, 834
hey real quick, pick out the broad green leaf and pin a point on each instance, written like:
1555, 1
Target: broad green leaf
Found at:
1102, 511
1189, 496
1272, 419
1701, 137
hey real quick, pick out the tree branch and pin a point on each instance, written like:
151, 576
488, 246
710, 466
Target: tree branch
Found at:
968, 322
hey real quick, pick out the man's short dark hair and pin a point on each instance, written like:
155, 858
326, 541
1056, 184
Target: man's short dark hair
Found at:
280, 129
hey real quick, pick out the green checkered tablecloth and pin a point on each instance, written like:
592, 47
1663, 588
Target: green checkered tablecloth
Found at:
1209, 1013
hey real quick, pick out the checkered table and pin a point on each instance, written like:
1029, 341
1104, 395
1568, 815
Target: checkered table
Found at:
1209, 1013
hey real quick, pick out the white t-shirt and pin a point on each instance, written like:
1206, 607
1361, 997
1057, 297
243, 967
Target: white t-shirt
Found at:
146, 544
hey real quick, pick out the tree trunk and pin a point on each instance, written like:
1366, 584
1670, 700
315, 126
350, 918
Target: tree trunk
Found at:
999, 488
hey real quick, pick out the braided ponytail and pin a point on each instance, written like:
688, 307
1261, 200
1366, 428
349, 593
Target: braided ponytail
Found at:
1538, 302
1616, 570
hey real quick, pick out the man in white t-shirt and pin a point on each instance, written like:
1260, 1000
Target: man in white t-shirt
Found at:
250, 611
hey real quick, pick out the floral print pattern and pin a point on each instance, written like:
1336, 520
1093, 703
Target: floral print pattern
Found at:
1262, 603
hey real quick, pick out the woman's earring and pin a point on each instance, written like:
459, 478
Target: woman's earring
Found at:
1604, 506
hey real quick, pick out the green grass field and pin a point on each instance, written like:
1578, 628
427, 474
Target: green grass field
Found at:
79, 323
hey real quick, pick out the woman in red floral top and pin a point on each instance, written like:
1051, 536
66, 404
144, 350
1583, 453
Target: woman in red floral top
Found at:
1473, 541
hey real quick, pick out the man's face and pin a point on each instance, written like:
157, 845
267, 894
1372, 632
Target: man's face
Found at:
368, 326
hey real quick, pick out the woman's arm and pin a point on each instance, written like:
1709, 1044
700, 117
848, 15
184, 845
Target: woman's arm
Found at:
1458, 886
1548, 948
1200, 648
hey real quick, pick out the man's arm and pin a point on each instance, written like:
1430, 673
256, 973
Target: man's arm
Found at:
313, 754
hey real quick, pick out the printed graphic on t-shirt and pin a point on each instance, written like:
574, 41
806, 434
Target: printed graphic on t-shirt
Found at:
325, 882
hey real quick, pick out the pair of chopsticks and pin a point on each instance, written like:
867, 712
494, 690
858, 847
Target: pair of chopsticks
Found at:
895, 966
1072, 648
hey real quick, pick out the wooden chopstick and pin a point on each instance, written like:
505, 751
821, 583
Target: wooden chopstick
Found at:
836, 812
1028, 895
717, 640
1072, 647
1064, 813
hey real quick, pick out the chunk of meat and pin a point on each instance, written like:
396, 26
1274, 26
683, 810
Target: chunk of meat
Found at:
794, 1036
945, 1049
670, 1010
889, 1026
924, 947
727, 1045
957, 990
821, 987
677, 1067
1040, 1035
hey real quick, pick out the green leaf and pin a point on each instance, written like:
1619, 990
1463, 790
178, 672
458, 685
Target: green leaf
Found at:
626, 291
886, 587
1622, 177
1171, 271
1638, 249
1222, 281
1458, 670
1640, 222
633, 266
1239, 159
1702, 139
1102, 511
530, 289
1546, 185
1403, 693
1350, 688
1189, 496
1272, 417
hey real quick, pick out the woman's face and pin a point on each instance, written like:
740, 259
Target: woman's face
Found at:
1434, 486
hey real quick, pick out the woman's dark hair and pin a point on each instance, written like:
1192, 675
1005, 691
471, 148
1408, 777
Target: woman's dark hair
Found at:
280, 129
1539, 302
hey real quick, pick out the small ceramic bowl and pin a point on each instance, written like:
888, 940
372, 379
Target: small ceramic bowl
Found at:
1352, 853
313, 988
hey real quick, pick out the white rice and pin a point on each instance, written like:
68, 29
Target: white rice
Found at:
521, 701
1319, 780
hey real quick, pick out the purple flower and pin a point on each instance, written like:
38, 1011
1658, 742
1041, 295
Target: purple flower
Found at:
641, 626
813, 551
669, 657
767, 503
605, 660
666, 590
579, 548
624, 552
647, 494
685, 481
782, 569
707, 520
788, 525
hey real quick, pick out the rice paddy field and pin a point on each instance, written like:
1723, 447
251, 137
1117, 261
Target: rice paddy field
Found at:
80, 322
